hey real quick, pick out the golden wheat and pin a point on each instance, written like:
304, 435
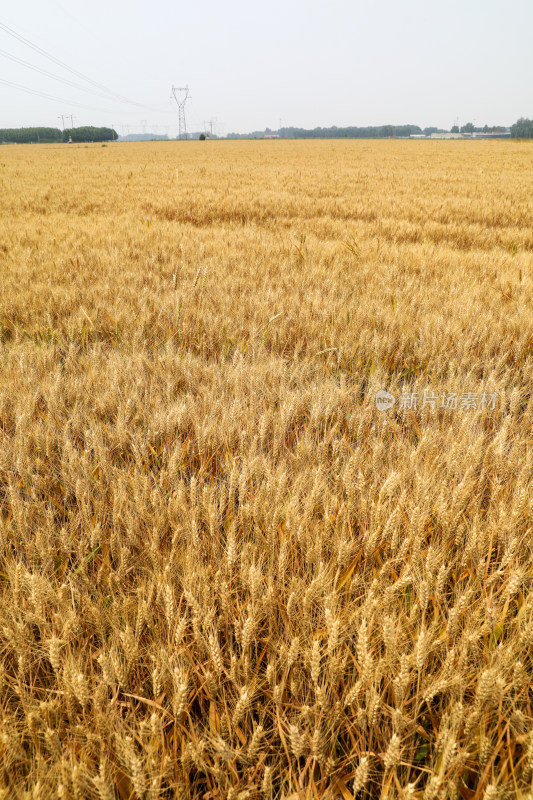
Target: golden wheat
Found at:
224, 572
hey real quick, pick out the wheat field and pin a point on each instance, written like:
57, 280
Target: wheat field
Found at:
225, 573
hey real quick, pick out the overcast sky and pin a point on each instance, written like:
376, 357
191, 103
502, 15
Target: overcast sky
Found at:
251, 64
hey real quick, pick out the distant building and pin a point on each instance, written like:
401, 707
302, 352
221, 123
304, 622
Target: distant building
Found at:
475, 135
271, 136
491, 135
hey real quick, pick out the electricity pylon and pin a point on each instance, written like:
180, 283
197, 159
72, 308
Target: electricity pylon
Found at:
209, 123
180, 95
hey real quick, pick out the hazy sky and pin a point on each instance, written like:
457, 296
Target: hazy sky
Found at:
251, 64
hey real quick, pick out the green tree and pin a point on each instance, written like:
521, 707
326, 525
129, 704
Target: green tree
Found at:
522, 129
89, 134
29, 135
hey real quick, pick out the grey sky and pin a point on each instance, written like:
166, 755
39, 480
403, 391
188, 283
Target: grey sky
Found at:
251, 64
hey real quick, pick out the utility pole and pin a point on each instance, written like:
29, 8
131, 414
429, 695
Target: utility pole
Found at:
209, 123
180, 95
62, 118
71, 120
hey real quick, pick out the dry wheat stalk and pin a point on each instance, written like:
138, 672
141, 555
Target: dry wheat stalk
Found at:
223, 571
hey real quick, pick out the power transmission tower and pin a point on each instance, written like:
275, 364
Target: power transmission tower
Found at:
71, 117
209, 123
62, 118
181, 96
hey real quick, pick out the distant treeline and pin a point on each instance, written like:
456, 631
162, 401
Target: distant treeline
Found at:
43, 135
144, 137
89, 134
28, 135
369, 132
523, 129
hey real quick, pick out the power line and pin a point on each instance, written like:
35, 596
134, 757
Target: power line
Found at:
199, 118
82, 23
110, 92
36, 93
51, 75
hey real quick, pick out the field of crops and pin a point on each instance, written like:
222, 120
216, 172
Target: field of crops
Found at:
225, 572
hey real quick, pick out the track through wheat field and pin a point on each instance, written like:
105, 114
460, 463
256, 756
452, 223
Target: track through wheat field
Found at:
225, 573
